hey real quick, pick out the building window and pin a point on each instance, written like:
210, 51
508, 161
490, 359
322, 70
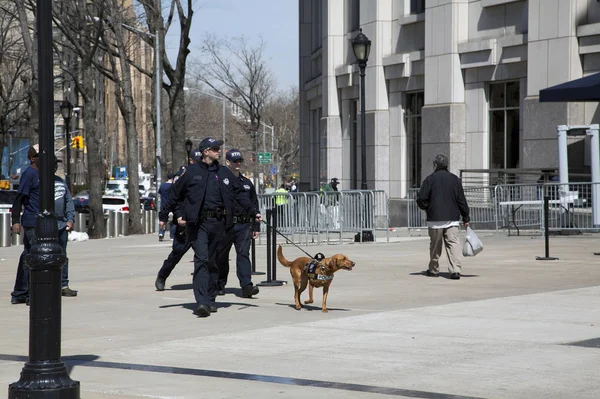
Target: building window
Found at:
412, 122
504, 101
352, 15
417, 6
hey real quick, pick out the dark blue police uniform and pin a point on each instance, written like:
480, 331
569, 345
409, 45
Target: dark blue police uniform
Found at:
205, 192
240, 235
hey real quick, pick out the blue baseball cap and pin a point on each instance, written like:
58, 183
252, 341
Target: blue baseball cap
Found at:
234, 155
195, 155
209, 142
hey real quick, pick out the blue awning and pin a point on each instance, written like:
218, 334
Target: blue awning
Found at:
583, 89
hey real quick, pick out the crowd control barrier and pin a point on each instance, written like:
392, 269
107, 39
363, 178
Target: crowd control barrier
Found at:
331, 217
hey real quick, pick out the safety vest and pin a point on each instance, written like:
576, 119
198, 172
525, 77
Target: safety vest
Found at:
281, 199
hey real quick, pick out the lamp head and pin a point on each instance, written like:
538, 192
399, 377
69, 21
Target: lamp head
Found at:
66, 109
188, 145
361, 46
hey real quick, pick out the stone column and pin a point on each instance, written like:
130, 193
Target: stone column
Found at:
444, 113
553, 58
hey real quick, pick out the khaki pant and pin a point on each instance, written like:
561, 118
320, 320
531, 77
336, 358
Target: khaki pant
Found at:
449, 238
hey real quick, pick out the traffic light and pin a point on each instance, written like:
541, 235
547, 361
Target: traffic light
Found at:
77, 142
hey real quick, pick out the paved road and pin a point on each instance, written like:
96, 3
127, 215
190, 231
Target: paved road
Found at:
506, 330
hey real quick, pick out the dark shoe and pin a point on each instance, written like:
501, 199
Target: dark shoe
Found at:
68, 292
249, 290
455, 276
16, 300
212, 308
429, 273
202, 311
160, 284
160, 238
221, 292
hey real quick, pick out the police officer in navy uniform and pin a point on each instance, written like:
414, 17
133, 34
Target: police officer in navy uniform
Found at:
244, 230
180, 242
206, 191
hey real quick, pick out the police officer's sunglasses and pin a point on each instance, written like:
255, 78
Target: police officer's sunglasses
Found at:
216, 149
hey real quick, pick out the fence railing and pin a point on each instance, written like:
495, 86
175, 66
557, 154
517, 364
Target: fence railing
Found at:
316, 217
574, 206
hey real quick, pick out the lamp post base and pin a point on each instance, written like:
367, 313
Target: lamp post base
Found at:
44, 380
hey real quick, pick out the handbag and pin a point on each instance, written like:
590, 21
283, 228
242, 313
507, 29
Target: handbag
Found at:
472, 245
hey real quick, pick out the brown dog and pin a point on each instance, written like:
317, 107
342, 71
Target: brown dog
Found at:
300, 274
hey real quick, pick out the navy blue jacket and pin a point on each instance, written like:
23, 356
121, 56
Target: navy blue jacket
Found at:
188, 193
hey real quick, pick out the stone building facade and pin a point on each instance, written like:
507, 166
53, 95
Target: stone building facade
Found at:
459, 77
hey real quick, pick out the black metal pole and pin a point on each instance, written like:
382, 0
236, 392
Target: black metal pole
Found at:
68, 160
253, 247
269, 228
363, 129
45, 376
274, 244
546, 232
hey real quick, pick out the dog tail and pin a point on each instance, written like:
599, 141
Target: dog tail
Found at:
281, 258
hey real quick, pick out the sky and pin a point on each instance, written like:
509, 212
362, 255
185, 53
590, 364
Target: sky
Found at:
275, 20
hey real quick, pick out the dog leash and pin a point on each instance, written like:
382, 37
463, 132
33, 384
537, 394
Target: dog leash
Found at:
287, 239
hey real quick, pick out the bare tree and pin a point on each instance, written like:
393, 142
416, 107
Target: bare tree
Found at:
118, 41
282, 113
25, 9
82, 39
182, 12
15, 76
238, 71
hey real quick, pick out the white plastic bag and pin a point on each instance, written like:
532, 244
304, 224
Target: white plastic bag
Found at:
472, 245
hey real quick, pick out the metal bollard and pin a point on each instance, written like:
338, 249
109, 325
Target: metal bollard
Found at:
109, 224
81, 222
148, 222
5, 229
17, 239
154, 221
121, 223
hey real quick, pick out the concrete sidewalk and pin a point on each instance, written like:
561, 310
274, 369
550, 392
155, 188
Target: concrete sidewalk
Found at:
505, 330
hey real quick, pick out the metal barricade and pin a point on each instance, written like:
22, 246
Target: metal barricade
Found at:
5, 229
573, 206
327, 216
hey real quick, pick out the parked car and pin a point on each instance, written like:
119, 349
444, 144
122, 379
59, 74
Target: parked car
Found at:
7, 199
147, 204
82, 201
114, 203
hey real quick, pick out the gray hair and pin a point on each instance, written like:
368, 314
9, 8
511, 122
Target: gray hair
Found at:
440, 162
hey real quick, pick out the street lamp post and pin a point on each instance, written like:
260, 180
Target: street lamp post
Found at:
188, 148
66, 110
45, 375
223, 100
361, 46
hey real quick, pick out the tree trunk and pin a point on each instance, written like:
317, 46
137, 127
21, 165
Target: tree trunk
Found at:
96, 155
177, 109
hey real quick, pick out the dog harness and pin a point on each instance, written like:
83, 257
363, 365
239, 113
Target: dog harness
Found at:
312, 267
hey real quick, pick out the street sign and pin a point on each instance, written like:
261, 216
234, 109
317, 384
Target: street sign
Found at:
264, 157
273, 169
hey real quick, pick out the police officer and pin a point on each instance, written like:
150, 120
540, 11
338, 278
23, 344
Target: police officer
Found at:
206, 192
244, 230
180, 242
